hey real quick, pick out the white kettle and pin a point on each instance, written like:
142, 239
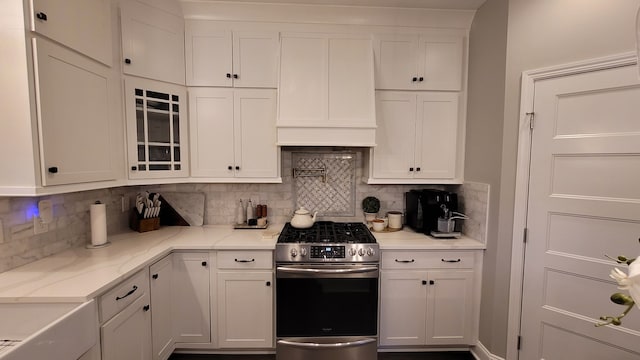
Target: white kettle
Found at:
302, 219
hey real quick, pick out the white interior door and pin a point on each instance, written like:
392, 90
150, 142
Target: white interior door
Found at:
584, 202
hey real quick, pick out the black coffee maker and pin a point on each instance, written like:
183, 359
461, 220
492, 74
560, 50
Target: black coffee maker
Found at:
424, 207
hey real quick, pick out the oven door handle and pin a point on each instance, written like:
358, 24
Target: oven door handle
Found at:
329, 345
307, 271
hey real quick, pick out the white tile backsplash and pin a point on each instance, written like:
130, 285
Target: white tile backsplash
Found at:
18, 244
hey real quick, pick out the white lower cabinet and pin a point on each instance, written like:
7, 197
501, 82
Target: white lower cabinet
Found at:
126, 320
191, 295
427, 298
161, 284
245, 299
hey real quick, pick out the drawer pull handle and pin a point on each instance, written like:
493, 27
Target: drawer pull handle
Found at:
127, 294
146, 308
451, 261
155, 276
244, 261
407, 261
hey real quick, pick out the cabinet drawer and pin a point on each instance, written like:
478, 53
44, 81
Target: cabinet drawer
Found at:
122, 295
245, 260
427, 259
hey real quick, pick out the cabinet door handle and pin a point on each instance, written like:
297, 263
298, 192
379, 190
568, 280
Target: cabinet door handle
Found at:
431, 282
268, 283
237, 167
410, 169
228, 76
405, 261
235, 76
204, 263
146, 308
155, 276
244, 261
230, 167
451, 261
127, 294
53, 169
424, 282
417, 169
421, 78
414, 79
41, 16
127, 61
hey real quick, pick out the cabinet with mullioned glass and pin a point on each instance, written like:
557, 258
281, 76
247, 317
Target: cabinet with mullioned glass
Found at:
156, 129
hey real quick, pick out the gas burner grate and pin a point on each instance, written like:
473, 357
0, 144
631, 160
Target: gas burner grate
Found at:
328, 232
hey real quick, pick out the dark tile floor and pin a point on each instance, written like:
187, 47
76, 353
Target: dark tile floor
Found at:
454, 355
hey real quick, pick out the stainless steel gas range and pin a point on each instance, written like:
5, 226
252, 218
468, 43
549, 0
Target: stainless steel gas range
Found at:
327, 292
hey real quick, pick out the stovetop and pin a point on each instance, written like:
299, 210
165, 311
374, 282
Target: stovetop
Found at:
327, 242
328, 232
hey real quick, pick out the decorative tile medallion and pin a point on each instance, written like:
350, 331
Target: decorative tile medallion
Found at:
325, 182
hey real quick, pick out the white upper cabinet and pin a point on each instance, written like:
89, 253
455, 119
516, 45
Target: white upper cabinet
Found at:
74, 116
152, 42
157, 134
233, 134
326, 92
419, 62
82, 25
418, 138
218, 56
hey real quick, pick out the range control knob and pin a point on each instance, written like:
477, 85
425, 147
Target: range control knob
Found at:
352, 252
370, 252
294, 253
303, 252
361, 252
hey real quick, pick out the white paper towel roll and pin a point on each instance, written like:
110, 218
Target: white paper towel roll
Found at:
98, 224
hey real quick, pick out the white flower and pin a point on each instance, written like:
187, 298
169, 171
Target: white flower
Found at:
629, 282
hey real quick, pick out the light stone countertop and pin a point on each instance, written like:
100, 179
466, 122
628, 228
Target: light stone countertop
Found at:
407, 239
80, 274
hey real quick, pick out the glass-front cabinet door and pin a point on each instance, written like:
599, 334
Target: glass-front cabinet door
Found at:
156, 129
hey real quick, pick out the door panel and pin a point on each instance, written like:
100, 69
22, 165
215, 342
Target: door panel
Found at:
211, 123
583, 204
255, 132
395, 136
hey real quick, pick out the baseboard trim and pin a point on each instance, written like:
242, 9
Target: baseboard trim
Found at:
480, 352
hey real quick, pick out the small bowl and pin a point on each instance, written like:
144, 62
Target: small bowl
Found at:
378, 225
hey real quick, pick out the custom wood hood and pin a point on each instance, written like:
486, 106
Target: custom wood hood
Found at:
327, 90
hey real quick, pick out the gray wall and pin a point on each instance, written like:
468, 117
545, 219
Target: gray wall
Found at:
541, 33
485, 117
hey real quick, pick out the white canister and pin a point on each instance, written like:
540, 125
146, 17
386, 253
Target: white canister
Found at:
395, 219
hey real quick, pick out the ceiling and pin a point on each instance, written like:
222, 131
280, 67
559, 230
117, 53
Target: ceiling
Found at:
414, 4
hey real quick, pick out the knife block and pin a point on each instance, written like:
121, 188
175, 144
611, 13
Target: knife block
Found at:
143, 225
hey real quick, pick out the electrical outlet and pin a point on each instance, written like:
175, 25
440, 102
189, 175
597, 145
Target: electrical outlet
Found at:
125, 203
39, 226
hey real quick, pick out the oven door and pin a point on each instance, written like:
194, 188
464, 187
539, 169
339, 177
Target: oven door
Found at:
326, 300
344, 348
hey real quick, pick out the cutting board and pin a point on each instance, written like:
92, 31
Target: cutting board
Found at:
183, 208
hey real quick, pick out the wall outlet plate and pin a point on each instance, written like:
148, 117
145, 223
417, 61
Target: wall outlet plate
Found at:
39, 226
45, 209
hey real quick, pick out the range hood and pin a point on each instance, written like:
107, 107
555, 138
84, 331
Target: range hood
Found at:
327, 90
